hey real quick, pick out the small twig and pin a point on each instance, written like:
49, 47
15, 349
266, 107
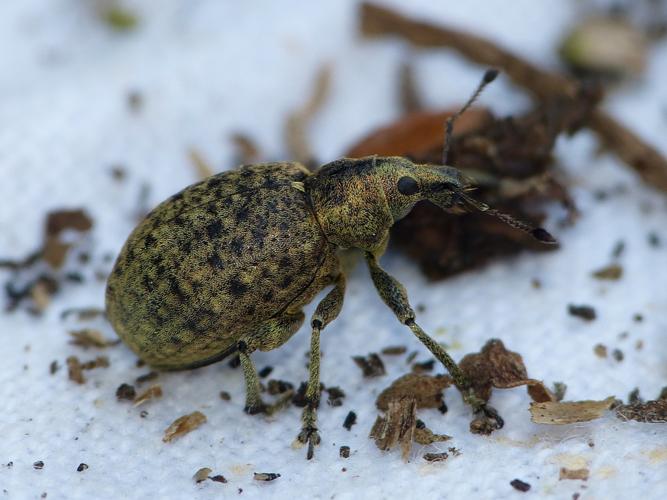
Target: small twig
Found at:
544, 85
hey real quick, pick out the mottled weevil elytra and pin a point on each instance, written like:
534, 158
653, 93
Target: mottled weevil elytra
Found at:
226, 265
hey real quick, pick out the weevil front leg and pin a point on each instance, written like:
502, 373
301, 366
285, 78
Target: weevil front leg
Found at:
269, 335
327, 310
394, 295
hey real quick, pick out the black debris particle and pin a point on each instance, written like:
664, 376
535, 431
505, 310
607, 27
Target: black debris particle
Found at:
638, 317
336, 396
584, 312
411, 357
634, 397
344, 452
371, 365
436, 457
618, 355
82, 467
219, 478
520, 485
135, 101
39, 465
350, 420
53, 367
143, 414
618, 249
225, 396
654, 240
126, 392
265, 372
265, 476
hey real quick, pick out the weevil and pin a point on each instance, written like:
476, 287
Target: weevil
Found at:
226, 265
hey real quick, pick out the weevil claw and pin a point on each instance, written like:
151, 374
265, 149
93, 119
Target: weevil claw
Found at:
310, 436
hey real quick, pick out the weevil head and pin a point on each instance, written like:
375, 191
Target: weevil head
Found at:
356, 201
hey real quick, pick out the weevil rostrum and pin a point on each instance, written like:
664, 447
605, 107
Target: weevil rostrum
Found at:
226, 265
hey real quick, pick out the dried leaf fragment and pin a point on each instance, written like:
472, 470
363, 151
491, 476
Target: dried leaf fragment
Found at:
581, 474
153, 392
89, 337
396, 427
371, 365
569, 412
582, 311
650, 412
74, 370
202, 474
126, 391
183, 425
436, 457
495, 366
424, 435
611, 272
265, 476
426, 390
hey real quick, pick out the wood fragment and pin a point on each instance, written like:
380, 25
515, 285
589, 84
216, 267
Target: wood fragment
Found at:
426, 390
650, 412
377, 21
396, 427
202, 474
574, 474
183, 425
153, 392
90, 337
569, 412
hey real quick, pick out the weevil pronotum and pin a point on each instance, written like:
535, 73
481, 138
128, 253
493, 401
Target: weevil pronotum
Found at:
226, 265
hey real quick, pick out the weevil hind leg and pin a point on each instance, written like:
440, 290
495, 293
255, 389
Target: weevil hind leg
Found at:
327, 310
268, 336
394, 295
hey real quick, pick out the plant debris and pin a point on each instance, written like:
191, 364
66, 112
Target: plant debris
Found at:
575, 474
426, 390
225, 396
582, 311
495, 366
397, 427
600, 350
336, 396
117, 16
54, 367
247, 151
568, 412
183, 425
298, 121
371, 365
611, 272
278, 386
649, 412
423, 367
75, 368
344, 452
394, 350
350, 420
39, 276
436, 457
147, 377
126, 392
265, 372
218, 478
89, 337
39, 465
546, 87
202, 474
153, 392
82, 467
265, 476
618, 355
520, 485
424, 435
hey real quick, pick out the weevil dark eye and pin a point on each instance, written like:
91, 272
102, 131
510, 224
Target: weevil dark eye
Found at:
407, 186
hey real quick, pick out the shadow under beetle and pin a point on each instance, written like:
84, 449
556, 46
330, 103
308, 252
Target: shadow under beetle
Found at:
226, 265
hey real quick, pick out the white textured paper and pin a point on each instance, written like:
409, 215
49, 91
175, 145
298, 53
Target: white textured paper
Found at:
208, 68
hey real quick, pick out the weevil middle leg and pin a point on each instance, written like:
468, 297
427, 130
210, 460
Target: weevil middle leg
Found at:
327, 310
269, 335
394, 295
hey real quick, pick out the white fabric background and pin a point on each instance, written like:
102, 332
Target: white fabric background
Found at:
208, 68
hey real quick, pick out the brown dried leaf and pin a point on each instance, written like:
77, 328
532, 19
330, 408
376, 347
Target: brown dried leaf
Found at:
397, 427
497, 367
183, 425
581, 474
426, 390
202, 474
424, 435
651, 412
89, 337
569, 412
75, 370
610, 272
153, 392
371, 365
60, 220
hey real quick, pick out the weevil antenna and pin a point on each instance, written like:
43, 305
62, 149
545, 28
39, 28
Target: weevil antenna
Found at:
489, 76
538, 233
